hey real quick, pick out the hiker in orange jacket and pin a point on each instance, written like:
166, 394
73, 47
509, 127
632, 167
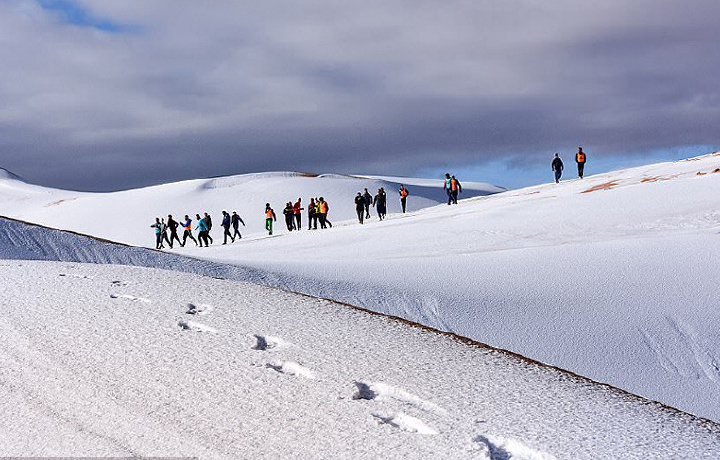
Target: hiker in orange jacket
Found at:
580, 159
455, 188
403, 196
269, 218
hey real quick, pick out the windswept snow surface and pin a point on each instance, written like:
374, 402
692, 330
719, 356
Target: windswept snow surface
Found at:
126, 216
84, 373
612, 277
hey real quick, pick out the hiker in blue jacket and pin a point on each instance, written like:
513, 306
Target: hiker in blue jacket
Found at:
158, 233
202, 229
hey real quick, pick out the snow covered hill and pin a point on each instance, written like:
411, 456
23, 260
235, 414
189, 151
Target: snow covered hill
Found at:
101, 359
611, 277
126, 216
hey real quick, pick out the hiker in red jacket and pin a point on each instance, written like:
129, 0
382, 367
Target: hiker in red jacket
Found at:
297, 207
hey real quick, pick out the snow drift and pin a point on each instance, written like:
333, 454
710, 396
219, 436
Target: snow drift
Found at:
107, 360
610, 277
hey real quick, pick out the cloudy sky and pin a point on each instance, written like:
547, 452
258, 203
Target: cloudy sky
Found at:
104, 95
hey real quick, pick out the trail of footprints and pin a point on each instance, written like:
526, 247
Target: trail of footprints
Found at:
489, 447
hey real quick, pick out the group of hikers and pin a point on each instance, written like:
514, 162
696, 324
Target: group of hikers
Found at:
317, 211
204, 225
557, 164
363, 201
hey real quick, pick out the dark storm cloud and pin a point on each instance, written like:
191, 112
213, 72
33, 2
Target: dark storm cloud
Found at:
378, 87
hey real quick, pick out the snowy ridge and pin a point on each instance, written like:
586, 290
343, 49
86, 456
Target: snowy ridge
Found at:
608, 277
351, 385
125, 216
36, 242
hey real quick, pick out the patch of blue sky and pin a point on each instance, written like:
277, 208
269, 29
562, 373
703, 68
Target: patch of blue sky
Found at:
75, 14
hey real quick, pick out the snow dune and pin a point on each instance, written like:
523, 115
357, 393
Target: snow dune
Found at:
126, 216
264, 373
610, 277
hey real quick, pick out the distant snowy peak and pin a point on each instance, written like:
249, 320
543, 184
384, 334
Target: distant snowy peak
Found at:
7, 175
418, 182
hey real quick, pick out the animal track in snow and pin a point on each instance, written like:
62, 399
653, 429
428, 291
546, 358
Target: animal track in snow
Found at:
268, 342
73, 275
132, 298
499, 448
292, 368
404, 422
382, 391
193, 326
199, 309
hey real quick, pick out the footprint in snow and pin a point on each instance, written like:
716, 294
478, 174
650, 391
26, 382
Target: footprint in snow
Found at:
404, 422
291, 368
73, 275
499, 448
199, 309
268, 342
383, 392
129, 297
193, 326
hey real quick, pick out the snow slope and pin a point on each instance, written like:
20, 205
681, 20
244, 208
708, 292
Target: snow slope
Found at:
126, 216
110, 360
610, 277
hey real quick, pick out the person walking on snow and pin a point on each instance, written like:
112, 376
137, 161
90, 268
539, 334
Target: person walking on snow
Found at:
368, 202
158, 233
580, 159
226, 225
269, 218
289, 214
446, 187
455, 188
557, 166
380, 203
236, 221
322, 212
297, 207
403, 197
187, 226
208, 224
164, 233
173, 226
312, 215
360, 206
202, 229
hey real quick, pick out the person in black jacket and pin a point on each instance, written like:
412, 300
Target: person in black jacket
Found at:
173, 226
360, 206
557, 166
380, 203
226, 226
312, 215
289, 214
208, 223
368, 202
236, 221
